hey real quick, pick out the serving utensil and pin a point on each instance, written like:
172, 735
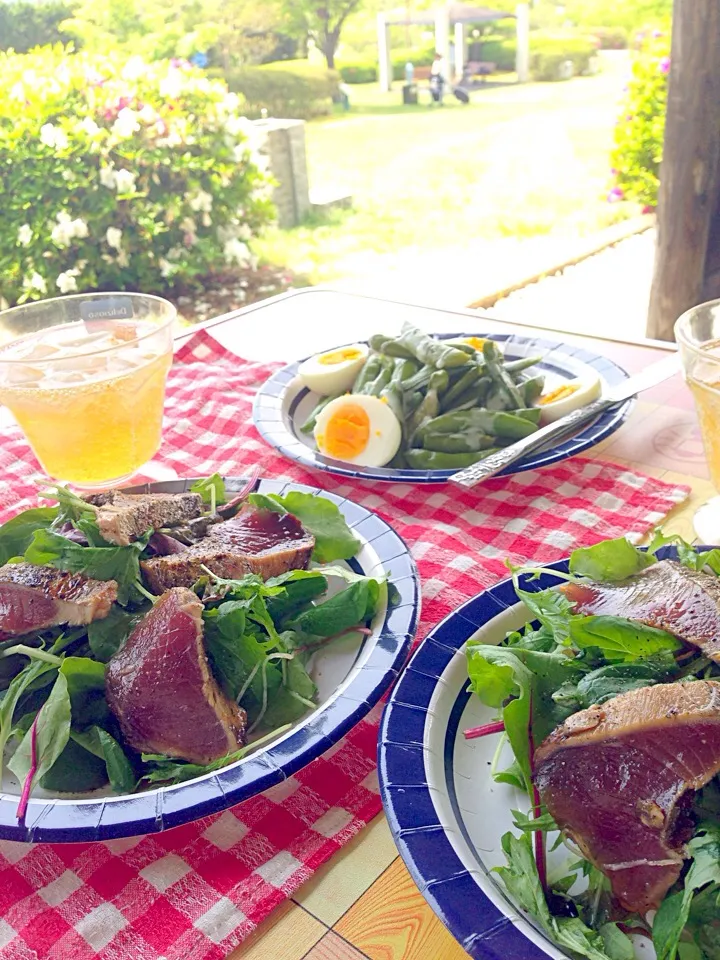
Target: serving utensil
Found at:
492, 465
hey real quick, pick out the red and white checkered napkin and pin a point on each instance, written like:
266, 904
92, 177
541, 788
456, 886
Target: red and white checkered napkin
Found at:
196, 891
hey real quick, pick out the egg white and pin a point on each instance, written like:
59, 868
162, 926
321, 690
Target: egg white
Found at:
329, 378
588, 389
385, 430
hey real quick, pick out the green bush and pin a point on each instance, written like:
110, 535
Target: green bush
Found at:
417, 56
610, 38
549, 53
25, 25
120, 175
497, 50
360, 72
284, 89
640, 129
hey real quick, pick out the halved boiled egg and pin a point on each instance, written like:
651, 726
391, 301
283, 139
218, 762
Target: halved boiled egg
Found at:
475, 342
359, 429
334, 371
569, 396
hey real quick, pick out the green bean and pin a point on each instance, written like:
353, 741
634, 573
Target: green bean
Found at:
474, 396
503, 380
411, 401
403, 370
434, 460
470, 442
467, 380
465, 347
430, 406
517, 366
532, 414
396, 348
430, 351
498, 424
393, 396
419, 380
372, 367
374, 387
398, 462
532, 389
378, 340
309, 424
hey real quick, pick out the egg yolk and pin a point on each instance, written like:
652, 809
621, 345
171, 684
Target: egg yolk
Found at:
339, 356
346, 433
559, 394
475, 342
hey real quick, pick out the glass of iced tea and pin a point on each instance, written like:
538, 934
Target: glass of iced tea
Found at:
84, 376
697, 333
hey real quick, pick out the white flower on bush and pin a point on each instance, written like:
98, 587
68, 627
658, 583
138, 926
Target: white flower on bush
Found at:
201, 202
188, 225
171, 84
113, 236
34, 284
237, 126
90, 127
17, 92
124, 181
25, 235
148, 114
66, 229
66, 281
53, 136
107, 177
134, 69
167, 268
126, 124
235, 251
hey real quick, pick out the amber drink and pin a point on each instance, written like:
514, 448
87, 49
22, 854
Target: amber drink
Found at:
86, 382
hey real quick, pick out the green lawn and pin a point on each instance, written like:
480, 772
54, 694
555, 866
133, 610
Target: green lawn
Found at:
520, 160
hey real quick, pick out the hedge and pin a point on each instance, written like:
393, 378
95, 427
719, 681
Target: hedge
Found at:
547, 56
118, 175
24, 25
359, 72
287, 89
417, 56
610, 38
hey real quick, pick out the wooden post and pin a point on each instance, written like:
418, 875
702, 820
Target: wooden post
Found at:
688, 245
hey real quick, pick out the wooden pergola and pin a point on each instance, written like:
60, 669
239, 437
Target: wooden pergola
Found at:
452, 19
687, 259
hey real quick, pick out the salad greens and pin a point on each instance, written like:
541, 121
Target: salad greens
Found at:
56, 728
562, 662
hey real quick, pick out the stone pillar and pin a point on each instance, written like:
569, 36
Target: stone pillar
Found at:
384, 61
460, 50
522, 55
442, 36
287, 160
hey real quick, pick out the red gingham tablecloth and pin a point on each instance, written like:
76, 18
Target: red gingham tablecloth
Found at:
195, 892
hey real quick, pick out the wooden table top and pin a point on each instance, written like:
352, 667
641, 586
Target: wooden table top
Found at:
363, 905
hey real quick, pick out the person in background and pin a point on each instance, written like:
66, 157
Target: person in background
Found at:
438, 73
409, 72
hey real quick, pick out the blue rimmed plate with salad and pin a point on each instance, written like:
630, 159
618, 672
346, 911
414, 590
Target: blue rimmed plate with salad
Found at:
170, 650
419, 407
550, 759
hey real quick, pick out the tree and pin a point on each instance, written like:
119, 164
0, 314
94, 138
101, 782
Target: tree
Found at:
687, 260
322, 20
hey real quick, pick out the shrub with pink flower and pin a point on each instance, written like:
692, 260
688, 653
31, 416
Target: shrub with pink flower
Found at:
639, 132
121, 174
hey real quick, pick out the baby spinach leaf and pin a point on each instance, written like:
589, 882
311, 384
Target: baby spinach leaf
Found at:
297, 593
620, 639
86, 689
38, 672
107, 636
75, 770
211, 489
673, 913
16, 533
53, 731
121, 564
118, 768
610, 560
334, 540
606, 682
293, 698
349, 608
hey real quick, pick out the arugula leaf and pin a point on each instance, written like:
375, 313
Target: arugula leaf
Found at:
528, 824
334, 540
620, 639
672, 916
121, 564
53, 732
687, 555
606, 682
610, 560
211, 489
16, 533
168, 770
119, 770
523, 883
552, 608
106, 636
71, 507
349, 608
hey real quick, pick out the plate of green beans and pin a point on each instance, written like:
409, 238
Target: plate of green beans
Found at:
457, 397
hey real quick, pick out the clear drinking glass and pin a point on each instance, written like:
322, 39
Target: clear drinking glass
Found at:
84, 377
697, 333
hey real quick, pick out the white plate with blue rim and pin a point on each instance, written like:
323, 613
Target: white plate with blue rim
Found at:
447, 815
283, 404
351, 674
